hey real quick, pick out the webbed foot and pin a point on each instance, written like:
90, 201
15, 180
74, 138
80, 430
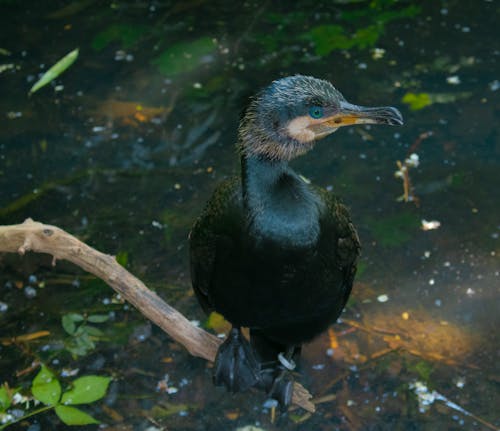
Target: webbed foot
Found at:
236, 366
280, 388
278, 382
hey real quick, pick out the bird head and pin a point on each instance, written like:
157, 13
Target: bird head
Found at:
285, 119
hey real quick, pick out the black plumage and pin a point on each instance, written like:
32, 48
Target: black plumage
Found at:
270, 251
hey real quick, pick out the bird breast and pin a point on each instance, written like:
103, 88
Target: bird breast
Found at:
288, 215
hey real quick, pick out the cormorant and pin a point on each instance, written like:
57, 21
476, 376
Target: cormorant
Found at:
270, 251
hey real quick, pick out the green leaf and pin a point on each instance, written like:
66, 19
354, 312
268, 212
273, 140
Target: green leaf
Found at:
83, 342
68, 322
77, 350
76, 317
92, 331
98, 318
45, 387
5, 398
74, 416
185, 56
55, 70
86, 390
417, 101
122, 258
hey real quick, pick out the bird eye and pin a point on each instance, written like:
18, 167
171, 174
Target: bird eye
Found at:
316, 112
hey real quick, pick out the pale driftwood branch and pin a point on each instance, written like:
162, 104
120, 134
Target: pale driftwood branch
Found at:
42, 238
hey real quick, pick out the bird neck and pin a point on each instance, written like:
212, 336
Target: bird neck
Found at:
260, 175
280, 205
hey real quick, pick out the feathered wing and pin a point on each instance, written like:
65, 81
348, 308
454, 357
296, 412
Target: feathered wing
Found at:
348, 244
222, 210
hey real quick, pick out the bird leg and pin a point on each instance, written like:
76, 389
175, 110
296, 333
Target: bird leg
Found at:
238, 368
236, 365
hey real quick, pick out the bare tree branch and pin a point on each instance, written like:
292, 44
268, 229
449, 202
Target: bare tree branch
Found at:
42, 238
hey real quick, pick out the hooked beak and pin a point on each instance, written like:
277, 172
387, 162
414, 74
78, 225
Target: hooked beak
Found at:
350, 114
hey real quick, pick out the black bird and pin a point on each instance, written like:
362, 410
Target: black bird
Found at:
270, 251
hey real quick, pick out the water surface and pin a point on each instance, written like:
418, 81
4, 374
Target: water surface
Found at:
124, 148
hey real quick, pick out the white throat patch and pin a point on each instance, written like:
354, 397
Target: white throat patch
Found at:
298, 129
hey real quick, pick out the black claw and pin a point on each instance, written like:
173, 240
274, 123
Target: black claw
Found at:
282, 390
278, 384
236, 366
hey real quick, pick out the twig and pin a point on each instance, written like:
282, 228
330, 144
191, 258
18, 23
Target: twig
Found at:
413, 148
42, 238
411, 161
404, 174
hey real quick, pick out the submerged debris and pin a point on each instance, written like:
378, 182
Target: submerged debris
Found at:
410, 162
426, 398
250, 428
164, 385
453, 80
7, 66
383, 298
55, 70
430, 225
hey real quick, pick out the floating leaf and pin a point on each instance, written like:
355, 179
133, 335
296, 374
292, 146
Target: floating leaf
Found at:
98, 318
74, 416
93, 331
45, 387
68, 322
217, 322
86, 390
76, 317
185, 56
55, 70
122, 258
83, 339
417, 101
5, 398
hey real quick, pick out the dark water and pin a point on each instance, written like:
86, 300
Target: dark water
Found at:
124, 148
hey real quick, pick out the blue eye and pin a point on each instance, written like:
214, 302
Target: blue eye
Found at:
316, 112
